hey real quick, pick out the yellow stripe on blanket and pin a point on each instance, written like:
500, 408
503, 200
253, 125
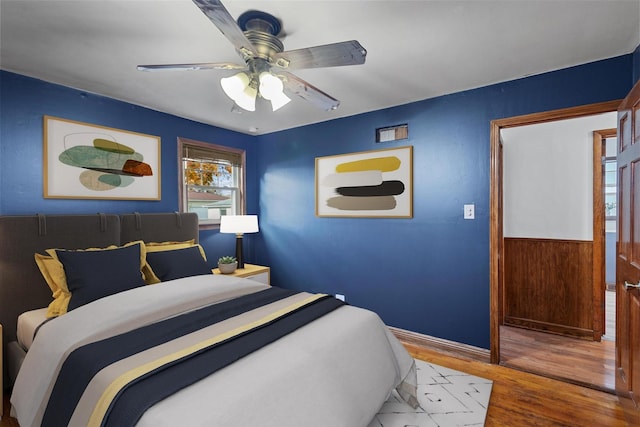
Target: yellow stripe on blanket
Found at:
119, 383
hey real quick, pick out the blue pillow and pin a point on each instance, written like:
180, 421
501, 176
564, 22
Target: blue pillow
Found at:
95, 274
178, 263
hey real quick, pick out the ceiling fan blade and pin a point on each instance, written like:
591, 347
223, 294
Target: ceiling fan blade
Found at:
328, 55
221, 18
308, 92
192, 67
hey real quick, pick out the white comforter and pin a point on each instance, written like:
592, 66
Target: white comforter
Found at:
336, 371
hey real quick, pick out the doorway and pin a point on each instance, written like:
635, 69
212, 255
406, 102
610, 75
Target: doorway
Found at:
497, 241
605, 195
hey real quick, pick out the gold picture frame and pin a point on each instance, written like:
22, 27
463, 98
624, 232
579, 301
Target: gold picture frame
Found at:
85, 161
369, 184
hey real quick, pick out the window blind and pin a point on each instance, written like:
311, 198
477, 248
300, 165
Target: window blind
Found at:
192, 151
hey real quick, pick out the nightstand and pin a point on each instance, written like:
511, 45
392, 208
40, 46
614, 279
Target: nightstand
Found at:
258, 273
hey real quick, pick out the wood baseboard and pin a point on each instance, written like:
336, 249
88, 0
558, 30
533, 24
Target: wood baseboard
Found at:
585, 334
456, 349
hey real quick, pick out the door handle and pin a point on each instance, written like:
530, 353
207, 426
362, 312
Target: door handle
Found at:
628, 285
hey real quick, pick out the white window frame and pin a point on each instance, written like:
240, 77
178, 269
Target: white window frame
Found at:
239, 203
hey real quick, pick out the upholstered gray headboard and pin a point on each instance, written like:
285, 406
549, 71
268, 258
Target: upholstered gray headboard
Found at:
22, 287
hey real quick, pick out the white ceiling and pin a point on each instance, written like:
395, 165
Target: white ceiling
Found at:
416, 49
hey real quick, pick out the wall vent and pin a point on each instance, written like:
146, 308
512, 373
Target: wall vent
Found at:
392, 133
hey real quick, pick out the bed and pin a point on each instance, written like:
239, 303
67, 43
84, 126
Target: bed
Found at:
192, 349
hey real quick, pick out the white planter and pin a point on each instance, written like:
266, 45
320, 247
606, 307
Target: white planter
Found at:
228, 268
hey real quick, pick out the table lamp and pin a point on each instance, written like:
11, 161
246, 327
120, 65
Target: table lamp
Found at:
239, 224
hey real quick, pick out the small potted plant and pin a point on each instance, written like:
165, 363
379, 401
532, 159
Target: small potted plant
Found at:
227, 264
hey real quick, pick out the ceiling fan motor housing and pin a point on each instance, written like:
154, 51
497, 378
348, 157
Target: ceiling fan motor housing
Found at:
262, 30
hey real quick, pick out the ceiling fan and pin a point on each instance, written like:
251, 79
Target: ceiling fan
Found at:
266, 63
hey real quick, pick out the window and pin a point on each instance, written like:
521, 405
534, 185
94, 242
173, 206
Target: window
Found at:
611, 184
211, 180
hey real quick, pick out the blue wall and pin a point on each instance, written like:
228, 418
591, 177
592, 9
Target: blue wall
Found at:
23, 103
636, 64
428, 274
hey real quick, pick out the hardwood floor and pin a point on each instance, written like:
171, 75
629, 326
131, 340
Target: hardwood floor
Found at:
521, 399
518, 399
581, 362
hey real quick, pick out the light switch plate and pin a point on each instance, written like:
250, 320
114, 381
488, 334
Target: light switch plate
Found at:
470, 211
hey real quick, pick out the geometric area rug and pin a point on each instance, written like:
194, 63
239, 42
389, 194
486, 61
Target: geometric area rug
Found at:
447, 398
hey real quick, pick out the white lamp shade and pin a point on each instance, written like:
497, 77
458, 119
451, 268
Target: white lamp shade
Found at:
239, 224
247, 99
270, 85
237, 88
279, 101
271, 88
235, 84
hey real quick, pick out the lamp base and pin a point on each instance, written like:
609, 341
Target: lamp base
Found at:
239, 256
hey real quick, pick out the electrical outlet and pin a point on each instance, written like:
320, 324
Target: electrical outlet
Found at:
470, 211
340, 297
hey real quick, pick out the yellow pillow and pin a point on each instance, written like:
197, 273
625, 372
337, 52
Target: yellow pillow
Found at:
149, 276
169, 246
53, 273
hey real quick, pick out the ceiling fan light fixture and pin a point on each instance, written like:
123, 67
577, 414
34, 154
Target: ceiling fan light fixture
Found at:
256, 36
238, 87
272, 89
248, 99
279, 102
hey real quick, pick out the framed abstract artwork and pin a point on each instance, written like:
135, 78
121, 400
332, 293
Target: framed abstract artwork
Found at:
84, 161
377, 183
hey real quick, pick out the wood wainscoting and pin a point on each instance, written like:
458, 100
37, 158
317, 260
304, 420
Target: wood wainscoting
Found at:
549, 285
